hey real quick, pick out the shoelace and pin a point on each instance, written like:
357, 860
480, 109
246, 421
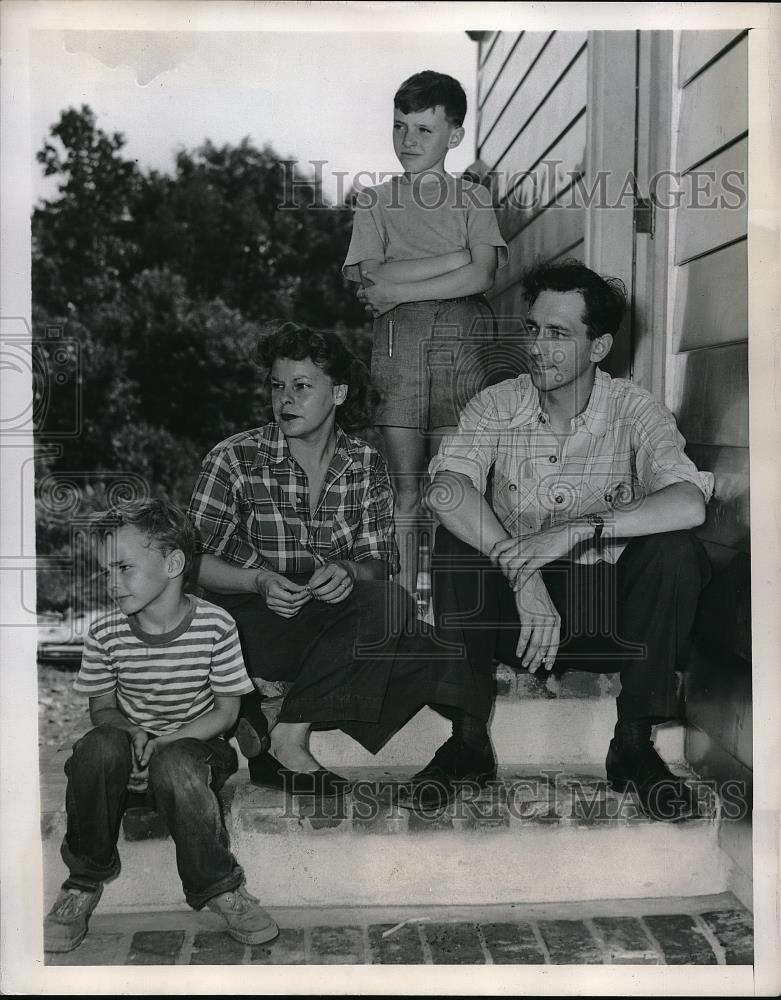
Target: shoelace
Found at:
240, 900
72, 904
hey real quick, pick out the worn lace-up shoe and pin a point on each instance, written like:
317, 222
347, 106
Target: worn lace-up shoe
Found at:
66, 923
247, 921
662, 795
436, 785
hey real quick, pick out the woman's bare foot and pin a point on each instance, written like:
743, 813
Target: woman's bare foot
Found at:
289, 745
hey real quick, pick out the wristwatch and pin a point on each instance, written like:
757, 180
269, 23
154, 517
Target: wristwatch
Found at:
599, 526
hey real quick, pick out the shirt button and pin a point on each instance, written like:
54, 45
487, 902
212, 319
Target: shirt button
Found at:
559, 499
609, 497
513, 487
553, 459
298, 500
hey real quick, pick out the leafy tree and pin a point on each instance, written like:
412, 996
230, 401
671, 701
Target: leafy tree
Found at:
159, 285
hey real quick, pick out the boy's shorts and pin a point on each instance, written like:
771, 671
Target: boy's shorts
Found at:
429, 359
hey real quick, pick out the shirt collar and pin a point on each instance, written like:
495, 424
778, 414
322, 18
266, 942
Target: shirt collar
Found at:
273, 449
594, 418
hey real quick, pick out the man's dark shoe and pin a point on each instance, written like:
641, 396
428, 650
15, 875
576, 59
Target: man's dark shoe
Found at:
662, 795
436, 785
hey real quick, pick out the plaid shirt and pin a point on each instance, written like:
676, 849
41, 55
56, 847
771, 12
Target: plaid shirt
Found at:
251, 504
623, 446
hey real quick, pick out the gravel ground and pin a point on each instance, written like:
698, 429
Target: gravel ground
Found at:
63, 715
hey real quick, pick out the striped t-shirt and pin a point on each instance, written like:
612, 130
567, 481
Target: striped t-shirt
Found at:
164, 681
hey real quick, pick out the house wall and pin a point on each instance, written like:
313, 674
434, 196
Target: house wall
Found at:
651, 101
532, 104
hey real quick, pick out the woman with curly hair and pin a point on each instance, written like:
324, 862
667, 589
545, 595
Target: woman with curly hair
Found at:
296, 524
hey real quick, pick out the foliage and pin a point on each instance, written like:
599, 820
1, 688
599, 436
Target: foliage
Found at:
155, 289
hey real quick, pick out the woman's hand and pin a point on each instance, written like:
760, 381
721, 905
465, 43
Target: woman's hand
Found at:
333, 582
281, 595
379, 296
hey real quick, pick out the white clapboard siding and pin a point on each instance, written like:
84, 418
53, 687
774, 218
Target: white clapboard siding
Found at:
558, 113
699, 48
710, 396
562, 49
727, 515
519, 61
559, 168
714, 209
496, 53
714, 107
550, 233
711, 299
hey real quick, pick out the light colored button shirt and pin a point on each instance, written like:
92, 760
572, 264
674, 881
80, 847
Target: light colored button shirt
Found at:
622, 447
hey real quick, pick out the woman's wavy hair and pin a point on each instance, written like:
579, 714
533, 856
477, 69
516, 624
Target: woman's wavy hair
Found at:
327, 350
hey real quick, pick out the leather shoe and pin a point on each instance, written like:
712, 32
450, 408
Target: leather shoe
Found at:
662, 795
436, 785
267, 772
252, 728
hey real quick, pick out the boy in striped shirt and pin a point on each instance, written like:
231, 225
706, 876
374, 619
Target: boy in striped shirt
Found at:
164, 675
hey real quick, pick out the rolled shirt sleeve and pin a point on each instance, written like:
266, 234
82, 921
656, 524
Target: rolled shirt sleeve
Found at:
376, 537
214, 512
481, 225
659, 452
472, 450
367, 241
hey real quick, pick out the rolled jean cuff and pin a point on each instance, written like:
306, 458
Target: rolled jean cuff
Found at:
197, 900
84, 873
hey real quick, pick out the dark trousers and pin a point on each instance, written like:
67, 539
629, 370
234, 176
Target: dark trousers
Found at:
365, 666
633, 617
183, 780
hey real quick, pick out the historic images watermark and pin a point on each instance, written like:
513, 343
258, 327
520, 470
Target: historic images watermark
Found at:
546, 185
550, 796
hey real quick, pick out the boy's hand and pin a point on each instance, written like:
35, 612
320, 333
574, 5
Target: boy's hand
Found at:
281, 595
151, 744
139, 777
379, 296
332, 583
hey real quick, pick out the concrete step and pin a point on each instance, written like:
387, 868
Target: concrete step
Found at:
537, 835
568, 717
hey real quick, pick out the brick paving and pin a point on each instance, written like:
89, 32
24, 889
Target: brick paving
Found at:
714, 936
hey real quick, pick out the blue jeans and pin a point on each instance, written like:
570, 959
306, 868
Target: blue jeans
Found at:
184, 778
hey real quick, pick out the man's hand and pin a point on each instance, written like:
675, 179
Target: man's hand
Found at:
333, 582
540, 635
281, 595
520, 558
380, 296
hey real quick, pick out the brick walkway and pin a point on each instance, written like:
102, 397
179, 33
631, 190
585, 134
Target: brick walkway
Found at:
636, 933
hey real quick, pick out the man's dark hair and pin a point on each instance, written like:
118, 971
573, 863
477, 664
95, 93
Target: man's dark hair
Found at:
166, 526
327, 350
604, 298
430, 89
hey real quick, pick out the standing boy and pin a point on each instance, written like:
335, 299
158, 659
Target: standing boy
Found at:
426, 246
164, 675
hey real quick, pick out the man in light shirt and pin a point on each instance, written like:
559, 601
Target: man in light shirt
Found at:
580, 550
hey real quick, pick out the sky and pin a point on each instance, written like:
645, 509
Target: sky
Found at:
312, 96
